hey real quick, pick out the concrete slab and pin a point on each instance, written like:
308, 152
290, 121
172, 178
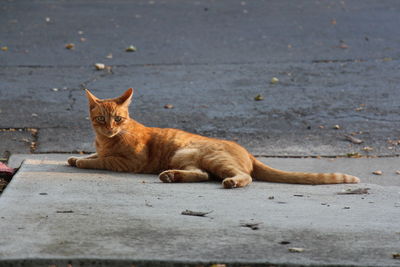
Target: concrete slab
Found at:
55, 214
15, 141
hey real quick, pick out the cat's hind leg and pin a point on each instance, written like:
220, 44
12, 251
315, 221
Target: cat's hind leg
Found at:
239, 180
184, 176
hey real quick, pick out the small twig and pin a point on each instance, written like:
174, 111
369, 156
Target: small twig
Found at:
64, 211
195, 213
353, 139
252, 226
358, 191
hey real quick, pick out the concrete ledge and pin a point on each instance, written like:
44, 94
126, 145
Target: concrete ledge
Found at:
56, 214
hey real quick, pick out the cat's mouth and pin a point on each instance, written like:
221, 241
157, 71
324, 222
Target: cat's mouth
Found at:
110, 134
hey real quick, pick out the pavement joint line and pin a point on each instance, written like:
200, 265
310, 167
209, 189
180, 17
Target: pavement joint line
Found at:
255, 155
316, 61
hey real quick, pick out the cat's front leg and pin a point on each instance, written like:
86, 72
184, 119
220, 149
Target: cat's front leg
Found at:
72, 160
111, 163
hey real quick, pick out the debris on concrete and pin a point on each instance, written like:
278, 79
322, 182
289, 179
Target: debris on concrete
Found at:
131, 48
195, 213
258, 97
358, 191
274, 80
64, 211
252, 226
353, 139
100, 66
296, 250
396, 255
5, 171
70, 46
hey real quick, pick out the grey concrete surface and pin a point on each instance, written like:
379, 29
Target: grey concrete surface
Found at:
337, 62
56, 214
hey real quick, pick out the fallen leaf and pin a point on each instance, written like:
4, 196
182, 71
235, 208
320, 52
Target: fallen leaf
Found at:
4, 48
358, 191
343, 46
353, 155
218, 265
100, 66
195, 213
25, 140
378, 172
353, 139
258, 98
296, 250
333, 22
168, 106
131, 48
70, 46
252, 226
274, 80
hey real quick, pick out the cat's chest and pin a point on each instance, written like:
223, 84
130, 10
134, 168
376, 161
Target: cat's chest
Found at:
116, 148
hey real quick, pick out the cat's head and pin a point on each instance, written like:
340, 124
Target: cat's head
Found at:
109, 116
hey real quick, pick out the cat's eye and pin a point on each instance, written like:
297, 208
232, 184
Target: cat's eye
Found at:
118, 118
100, 118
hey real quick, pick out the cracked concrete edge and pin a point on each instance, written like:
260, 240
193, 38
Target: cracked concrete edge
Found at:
360, 167
139, 263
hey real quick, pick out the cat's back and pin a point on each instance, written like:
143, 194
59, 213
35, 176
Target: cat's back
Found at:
170, 138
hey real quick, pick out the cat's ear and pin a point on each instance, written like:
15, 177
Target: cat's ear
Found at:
126, 98
93, 101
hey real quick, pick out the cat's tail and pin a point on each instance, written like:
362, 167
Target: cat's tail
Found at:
263, 172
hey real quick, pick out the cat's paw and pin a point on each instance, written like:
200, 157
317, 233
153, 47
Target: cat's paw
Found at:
72, 161
169, 176
229, 183
80, 163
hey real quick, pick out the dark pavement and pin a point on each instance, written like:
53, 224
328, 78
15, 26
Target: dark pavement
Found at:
336, 61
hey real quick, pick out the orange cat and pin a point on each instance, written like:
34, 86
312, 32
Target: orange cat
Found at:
124, 145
